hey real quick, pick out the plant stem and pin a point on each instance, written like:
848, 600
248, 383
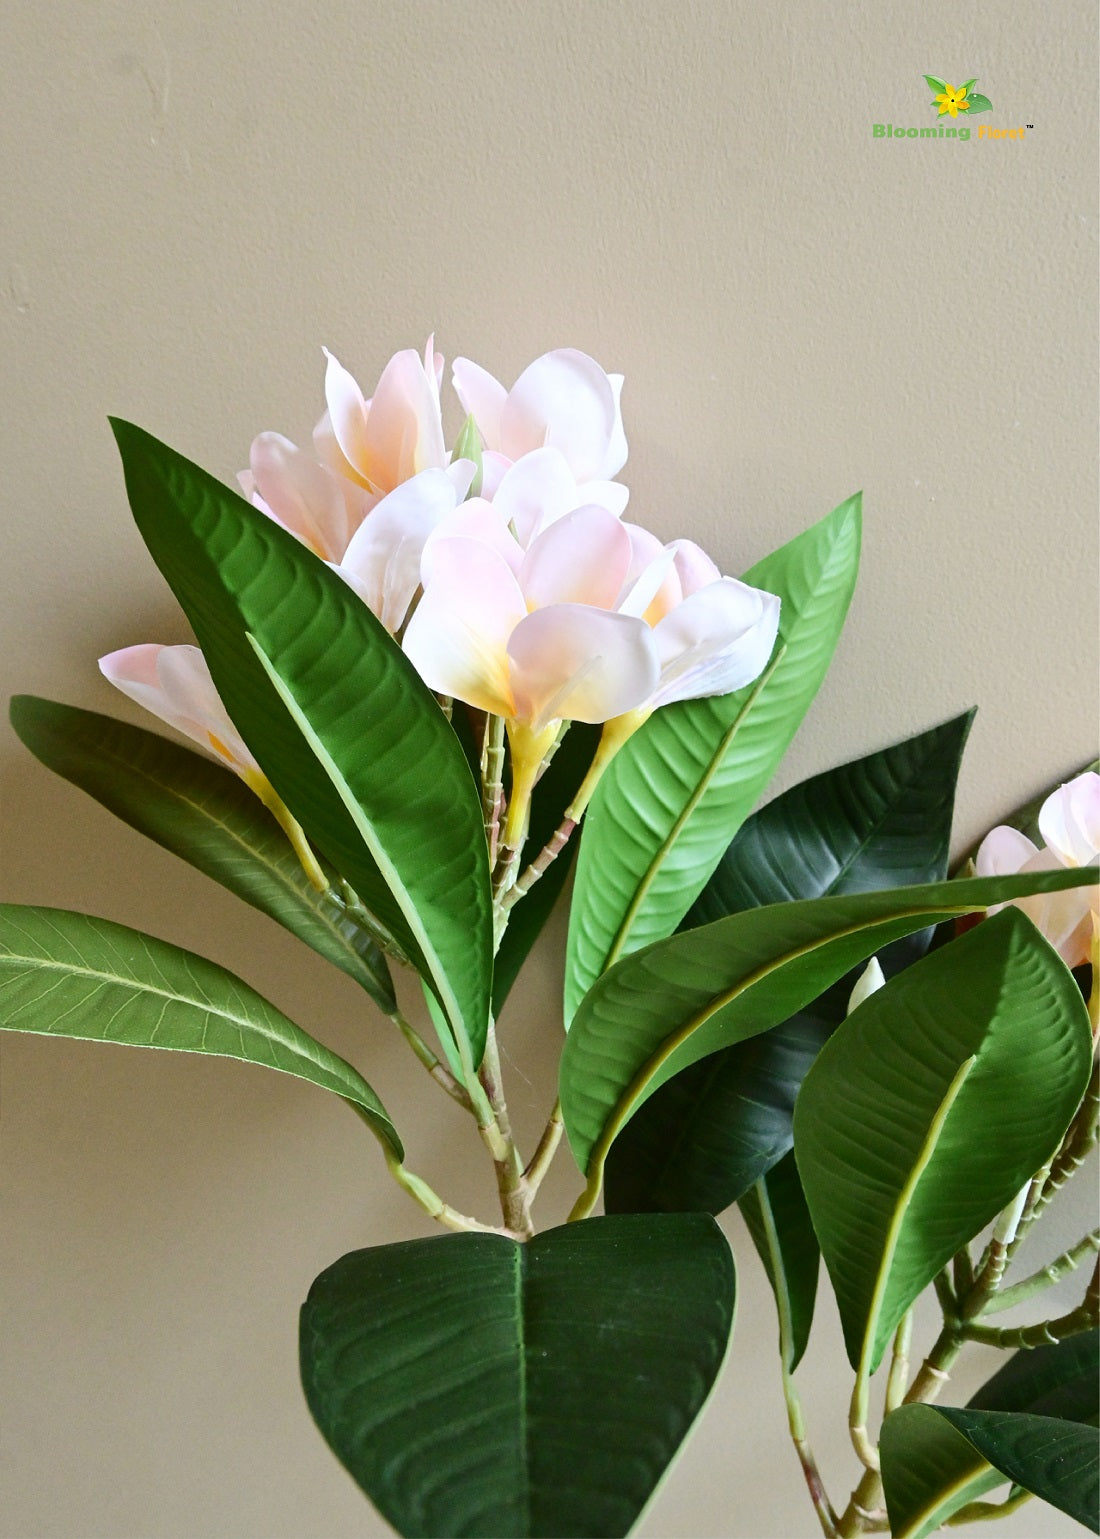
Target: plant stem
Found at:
1047, 1332
898, 1378
492, 781
1079, 1140
995, 1260
543, 1156
438, 1070
549, 853
424, 1196
1068, 1261
985, 1512
514, 1202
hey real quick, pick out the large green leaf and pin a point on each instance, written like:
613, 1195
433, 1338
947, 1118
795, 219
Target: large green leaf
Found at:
936, 1459
476, 1386
69, 975
693, 994
708, 1135
553, 794
778, 1220
676, 792
927, 1111
1059, 1380
205, 814
881, 821
337, 717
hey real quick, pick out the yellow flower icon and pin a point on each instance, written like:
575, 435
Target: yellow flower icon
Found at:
953, 101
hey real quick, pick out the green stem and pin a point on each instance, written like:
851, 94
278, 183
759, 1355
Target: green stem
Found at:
514, 1200
492, 781
438, 1070
1045, 1277
543, 1156
986, 1512
1047, 1332
1076, 1146
549, 853
424, 1196
995, 1260
898, 1378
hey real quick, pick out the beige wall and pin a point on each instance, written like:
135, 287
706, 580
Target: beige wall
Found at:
197, 197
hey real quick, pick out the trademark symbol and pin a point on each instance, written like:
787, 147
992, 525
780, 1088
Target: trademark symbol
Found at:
1029, 125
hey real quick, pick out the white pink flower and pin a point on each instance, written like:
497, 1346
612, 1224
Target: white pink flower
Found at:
1069, 822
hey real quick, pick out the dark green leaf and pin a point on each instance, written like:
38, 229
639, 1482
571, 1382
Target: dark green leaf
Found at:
935, 1459
927, 1111
709, 1134
880, 821
337, 717
682, 785
68, 975
555, 791
476, 1386
779, 1222
205, 814
691, 995
1060, 1380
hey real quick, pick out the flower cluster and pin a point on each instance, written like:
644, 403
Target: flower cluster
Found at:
504, 567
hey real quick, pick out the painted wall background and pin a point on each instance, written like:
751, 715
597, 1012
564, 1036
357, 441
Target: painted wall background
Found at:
196, 199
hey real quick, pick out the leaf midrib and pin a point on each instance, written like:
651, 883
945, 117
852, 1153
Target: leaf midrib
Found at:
622, 934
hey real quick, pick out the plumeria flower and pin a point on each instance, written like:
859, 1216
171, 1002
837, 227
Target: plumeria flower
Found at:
383, 441
1069, 822
531, 635
290, 485
174, 683
562, 401
594, 621
952, 101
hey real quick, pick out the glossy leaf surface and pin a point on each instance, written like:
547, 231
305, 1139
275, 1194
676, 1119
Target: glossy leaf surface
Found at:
927, 1111
936, 1459
476, 1386
695, 993
68, 975
337, 717
206, 815
675, 793
779, 1222
1059, 1380
881, 821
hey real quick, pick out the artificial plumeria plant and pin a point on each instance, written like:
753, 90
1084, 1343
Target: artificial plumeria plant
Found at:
425, 679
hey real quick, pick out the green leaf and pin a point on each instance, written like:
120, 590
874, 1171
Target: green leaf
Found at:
937, 86
778, 1220
707, 1135
968, 84
553, 795
693, 994
476, 1386
880, 821
679, 788
69, 975
927, 1111
337, 717
936, 1459
206, 815
979, 103
1059, 1380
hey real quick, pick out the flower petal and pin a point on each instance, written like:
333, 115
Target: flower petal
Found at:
457, 636
534, 491
563, 400
1003, 852
1069, 820
581, 558
575, 663
384, 554
477, 520
404, 432
302, 494
347, 419
717, 640
174, 683
482, 396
